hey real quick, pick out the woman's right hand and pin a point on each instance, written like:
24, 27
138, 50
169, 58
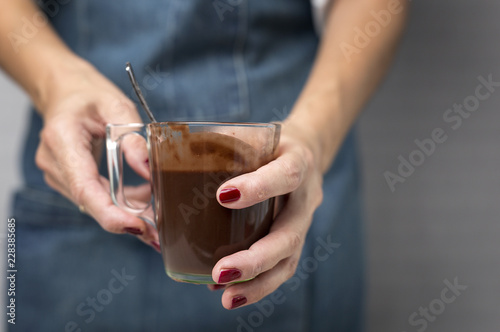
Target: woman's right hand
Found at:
76, 109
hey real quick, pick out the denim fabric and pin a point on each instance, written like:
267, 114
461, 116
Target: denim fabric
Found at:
194, 62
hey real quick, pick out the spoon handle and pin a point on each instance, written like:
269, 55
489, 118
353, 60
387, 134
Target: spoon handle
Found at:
138, 92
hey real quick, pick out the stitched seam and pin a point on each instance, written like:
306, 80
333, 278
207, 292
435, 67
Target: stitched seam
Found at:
239, 60
39, 196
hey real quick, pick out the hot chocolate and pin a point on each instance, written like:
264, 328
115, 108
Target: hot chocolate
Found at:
195, 230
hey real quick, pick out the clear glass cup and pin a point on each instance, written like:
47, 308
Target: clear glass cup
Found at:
188, 163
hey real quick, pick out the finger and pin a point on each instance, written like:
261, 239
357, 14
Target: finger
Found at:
80, 177
54, 171
134, 146
281, 176
148, 235
260, 257
138, 196
55, 184
98, 204
285, 238
136, 154
241, 294
91, 194
138, 199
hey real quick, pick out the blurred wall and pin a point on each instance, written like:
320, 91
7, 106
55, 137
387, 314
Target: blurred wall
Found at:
442, 220
440, 228
13, 117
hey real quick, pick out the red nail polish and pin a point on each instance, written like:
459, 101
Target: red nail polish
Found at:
226, 276
238, 301
156, 245
132, 230
229, 195
147, 162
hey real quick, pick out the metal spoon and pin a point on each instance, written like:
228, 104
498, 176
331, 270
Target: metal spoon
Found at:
138, 92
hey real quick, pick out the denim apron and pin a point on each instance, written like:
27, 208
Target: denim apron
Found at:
231, 60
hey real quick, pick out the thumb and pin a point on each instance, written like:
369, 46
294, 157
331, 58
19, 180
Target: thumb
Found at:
123, 111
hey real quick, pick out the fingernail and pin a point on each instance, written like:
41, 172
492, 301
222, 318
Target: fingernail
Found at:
238, 301
229, 195
132, 230
156, 245
147, 162
226, 276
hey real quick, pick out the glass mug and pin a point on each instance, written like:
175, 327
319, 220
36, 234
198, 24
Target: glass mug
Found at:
188, 163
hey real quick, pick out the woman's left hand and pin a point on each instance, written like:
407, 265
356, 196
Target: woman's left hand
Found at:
273, 259
337, 88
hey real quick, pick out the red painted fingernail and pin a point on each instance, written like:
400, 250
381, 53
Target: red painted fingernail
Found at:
132, 230
238, 301
156, 245
226, 276
147, 162
229, 195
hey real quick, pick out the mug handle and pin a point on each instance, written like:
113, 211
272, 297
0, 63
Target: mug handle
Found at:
114, 138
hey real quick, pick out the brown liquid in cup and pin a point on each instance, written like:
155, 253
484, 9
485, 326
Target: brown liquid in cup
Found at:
195, 230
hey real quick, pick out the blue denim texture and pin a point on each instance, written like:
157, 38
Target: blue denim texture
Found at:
248, 66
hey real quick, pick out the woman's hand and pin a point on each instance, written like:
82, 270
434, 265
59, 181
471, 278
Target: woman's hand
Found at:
272, 260
335, 92
75, 113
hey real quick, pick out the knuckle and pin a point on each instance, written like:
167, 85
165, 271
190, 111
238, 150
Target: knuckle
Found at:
48, 180
51, 131
76, 191
291, 267
40, 161
308, 157
258, 266
45, 135
319, 196
292, 173
258, 188
295, 241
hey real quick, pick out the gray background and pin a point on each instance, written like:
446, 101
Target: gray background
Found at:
442, 222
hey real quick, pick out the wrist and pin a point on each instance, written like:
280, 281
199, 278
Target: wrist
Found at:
320, 126
58, 75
